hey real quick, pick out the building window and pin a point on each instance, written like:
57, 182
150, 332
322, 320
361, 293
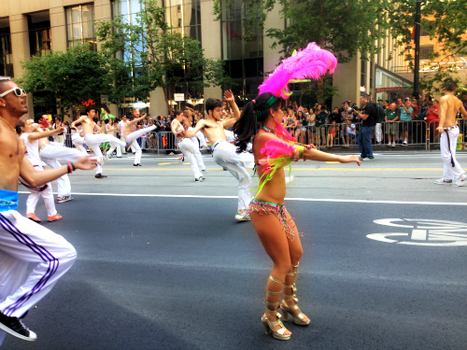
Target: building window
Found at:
6, 63
184, 16
363, 65
80, 25
426, 50
40, 36
243, 59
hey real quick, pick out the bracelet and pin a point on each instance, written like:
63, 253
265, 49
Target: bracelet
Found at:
71, 167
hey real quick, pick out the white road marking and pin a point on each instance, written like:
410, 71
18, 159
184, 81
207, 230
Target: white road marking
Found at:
329, 200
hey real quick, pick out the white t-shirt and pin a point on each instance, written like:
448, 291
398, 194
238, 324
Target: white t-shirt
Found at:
32, 150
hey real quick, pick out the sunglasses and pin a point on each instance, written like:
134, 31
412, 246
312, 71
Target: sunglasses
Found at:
18, 92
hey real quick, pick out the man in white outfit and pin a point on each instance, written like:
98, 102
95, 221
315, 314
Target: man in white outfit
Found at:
50, 153
186, 145
131, 134
94, 140
449, 106
22, 241
30, 138
224, 153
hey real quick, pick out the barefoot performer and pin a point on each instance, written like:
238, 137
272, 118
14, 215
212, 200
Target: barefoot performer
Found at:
274, 148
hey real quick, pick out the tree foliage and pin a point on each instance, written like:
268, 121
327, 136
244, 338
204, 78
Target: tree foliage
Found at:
61, 80
344, 27
445, 21
148, 54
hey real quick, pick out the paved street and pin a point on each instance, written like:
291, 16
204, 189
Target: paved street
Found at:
162, 264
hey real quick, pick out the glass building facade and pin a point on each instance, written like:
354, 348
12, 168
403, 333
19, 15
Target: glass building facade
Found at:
6, 64
80, 25
244, 59
40, 36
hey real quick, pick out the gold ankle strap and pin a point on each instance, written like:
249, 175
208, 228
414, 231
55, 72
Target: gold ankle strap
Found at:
273, 293
271, 310
275, 280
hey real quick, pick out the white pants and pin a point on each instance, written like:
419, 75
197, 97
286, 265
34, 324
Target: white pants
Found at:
197, 153
46, 194
93, 142
226, 156
114, 147
49, 155
378, 132
452, 168
188, 148
78, 142
23, 242
130, 139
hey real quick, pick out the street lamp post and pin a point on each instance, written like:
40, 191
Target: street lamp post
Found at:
416, 74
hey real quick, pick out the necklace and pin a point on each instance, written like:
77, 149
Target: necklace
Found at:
12, 128
268, 129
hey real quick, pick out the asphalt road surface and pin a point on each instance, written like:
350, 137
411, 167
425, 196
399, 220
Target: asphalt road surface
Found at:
162, 264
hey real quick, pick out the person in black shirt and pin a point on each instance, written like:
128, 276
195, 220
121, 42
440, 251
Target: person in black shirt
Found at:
320, 130
367, 114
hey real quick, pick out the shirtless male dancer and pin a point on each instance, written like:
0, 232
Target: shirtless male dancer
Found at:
131, 134
449, 105
224, 153
94, 140
187, 145
22, 241
51, 153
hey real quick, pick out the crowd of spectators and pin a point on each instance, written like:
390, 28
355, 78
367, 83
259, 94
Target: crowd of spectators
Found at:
318, 125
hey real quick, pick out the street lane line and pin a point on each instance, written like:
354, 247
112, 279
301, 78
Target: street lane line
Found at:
295, 169
328, 200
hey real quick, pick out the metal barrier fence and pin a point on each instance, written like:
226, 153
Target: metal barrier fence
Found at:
166, 142
390, 134
418, 133
434, 137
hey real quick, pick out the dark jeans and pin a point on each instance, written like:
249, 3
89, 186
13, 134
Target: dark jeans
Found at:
364, 141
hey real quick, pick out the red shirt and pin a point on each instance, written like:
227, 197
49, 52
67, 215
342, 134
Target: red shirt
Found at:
430, 115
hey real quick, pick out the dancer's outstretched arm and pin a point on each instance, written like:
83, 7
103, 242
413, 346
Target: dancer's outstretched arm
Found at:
39, 178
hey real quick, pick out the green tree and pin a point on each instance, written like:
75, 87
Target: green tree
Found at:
60, 80
344, 27
148, 54
445, 21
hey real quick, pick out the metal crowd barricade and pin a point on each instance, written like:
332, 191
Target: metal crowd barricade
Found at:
343, 135
166, 142
339, 135
433, 137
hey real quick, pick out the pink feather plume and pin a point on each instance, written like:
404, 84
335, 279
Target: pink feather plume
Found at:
309, 63
275, 149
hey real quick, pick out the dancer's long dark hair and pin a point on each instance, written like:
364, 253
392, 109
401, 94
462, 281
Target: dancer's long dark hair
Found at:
254, 113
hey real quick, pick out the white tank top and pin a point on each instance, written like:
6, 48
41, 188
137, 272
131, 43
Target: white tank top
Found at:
32, 150
181, 126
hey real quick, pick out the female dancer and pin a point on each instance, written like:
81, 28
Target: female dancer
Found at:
274, 148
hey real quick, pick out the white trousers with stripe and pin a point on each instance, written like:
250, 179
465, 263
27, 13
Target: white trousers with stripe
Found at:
23, 242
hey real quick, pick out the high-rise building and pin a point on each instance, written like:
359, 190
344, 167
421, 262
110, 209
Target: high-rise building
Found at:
32, 27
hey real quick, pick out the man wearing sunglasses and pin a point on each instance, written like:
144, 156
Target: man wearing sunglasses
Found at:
22, 241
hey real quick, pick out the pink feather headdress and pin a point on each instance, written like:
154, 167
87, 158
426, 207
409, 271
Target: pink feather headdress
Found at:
309, 63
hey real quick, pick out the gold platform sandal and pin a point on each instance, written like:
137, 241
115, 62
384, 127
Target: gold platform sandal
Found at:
271, 308
300, 319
